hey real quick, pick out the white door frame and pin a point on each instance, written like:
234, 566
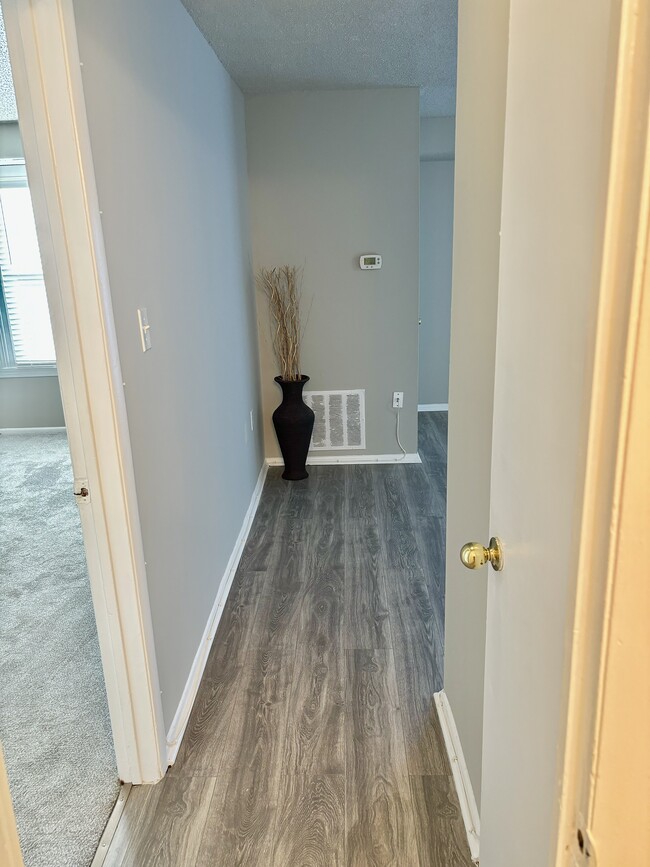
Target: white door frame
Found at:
42, 42
611, 517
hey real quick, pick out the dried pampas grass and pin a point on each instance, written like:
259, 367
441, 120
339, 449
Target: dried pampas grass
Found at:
282, 287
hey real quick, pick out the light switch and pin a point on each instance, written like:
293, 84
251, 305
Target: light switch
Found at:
145, 333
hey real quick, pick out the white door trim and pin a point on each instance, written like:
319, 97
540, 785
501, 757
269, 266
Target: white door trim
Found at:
624, 279
45, 61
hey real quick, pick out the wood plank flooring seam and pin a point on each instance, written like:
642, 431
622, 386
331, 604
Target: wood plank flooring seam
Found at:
241, 827
221, 652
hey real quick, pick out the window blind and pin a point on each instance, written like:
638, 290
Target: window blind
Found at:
25, 300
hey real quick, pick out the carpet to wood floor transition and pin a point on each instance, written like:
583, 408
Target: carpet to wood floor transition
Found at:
54, 724
314, 741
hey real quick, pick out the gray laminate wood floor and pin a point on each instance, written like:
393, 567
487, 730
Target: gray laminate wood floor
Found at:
314, 738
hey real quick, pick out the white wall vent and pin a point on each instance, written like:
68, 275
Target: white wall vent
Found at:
340, 419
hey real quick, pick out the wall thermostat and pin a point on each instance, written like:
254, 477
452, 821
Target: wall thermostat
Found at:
370, 261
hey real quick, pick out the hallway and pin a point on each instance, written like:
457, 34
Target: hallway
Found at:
314, 739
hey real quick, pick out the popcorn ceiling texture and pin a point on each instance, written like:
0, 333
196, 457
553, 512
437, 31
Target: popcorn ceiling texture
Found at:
7, 96
283, 45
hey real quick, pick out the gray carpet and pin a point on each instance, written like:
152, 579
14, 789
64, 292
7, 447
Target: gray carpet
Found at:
54, 724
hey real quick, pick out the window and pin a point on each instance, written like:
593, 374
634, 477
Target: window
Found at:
26, 344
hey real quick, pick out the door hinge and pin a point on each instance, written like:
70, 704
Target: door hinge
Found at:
81, 490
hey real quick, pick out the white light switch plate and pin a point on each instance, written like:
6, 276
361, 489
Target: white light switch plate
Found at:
145, 333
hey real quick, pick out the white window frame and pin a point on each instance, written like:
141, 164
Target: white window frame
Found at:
18, 370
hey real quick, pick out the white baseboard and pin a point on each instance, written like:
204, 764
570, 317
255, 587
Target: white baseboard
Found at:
460, 773
182, 715
9, 431
433, 407
326, 460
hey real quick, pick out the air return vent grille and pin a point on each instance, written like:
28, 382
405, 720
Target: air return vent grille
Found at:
340, 419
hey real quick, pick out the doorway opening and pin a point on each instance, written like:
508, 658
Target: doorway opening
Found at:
437, 146
55, 728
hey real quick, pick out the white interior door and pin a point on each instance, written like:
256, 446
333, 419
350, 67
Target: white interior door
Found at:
561, 68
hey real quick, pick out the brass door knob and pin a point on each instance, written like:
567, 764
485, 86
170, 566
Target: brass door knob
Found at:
474, 555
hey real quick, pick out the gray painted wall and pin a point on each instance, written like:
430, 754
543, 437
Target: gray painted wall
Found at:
168, 139
482, 54
30, 401
334, 174
437, 138
26, 401
436, 235
11, 146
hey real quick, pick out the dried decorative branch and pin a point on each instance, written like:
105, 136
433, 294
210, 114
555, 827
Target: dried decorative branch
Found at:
283, 288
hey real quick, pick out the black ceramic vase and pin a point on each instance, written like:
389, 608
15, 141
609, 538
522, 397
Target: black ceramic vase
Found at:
293, 421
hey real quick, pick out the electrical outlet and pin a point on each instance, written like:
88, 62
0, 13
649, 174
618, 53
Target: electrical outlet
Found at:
398, 399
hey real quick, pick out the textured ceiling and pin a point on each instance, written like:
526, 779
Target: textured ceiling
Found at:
7, 96
276, 45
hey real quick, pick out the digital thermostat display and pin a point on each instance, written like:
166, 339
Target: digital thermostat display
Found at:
370, 261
